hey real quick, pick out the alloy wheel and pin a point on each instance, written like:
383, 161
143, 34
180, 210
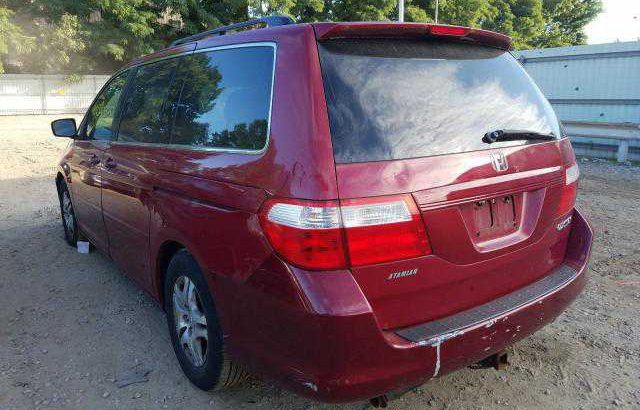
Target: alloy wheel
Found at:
190, 321
67, 215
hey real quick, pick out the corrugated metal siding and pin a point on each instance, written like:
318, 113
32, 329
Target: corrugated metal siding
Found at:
597, 83
596, 112
608, 78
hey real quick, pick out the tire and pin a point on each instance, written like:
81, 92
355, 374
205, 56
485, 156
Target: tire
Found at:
68, 216
194, 327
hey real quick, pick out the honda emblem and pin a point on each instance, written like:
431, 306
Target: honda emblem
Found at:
499, 161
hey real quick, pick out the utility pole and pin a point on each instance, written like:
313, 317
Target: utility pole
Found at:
401, 11
436, 11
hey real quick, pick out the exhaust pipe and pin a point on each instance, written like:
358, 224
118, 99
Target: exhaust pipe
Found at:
379, 401
383, 400
498, 361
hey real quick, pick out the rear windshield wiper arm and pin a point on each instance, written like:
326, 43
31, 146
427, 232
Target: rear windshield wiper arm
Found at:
516, 135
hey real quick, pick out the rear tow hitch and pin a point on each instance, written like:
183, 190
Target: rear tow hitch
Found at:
498, 361
383, 400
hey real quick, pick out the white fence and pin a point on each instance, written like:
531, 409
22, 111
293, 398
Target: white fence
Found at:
47, 94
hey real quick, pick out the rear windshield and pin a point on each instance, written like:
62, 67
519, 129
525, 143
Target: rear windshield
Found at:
396, 99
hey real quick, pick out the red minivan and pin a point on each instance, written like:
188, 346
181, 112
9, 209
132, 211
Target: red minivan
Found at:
349, 209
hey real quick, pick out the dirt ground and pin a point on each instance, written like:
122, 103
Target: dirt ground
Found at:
71, 324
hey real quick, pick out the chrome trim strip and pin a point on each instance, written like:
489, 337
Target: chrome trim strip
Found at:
213, 149
429, 332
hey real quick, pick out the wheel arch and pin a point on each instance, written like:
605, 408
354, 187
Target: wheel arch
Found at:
163, 257
59, 180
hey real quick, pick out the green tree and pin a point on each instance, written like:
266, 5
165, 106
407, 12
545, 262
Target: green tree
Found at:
12, 38
531, 23
72, 36
57, 45
363, 10
565, 21
522, 20
99, 35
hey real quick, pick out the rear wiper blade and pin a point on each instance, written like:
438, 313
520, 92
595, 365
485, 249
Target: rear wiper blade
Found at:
516, 135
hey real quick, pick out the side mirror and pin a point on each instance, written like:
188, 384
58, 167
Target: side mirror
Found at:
65, 127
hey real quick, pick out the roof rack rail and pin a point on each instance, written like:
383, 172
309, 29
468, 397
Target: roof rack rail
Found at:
270, 21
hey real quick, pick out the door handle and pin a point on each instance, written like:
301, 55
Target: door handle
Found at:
110, 163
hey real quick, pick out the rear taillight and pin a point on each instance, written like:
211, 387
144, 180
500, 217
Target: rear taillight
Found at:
325, 235
382, 230
307, 234
569, 190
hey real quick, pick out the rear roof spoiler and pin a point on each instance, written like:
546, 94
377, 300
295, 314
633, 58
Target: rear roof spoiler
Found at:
326, 31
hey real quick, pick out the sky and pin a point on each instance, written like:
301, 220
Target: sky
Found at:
619, 21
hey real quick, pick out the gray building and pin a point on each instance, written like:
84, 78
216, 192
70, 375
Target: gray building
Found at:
595, 90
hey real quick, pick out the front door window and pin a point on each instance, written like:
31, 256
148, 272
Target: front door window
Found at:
100, 124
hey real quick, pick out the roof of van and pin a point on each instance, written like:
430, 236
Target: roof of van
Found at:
330, 30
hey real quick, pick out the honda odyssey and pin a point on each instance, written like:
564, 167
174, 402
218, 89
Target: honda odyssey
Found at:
349, 209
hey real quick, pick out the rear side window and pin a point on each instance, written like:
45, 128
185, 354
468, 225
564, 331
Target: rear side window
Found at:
147, 107
226, 98
396, 99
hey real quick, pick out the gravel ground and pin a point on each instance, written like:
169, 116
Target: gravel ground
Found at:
71, 324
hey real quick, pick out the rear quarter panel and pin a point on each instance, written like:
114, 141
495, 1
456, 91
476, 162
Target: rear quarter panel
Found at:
298, 161
208, 200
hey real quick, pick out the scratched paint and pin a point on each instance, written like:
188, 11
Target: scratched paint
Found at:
436, 370
437, 342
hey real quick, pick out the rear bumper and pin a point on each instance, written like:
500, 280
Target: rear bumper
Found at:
438, 331
340, 357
